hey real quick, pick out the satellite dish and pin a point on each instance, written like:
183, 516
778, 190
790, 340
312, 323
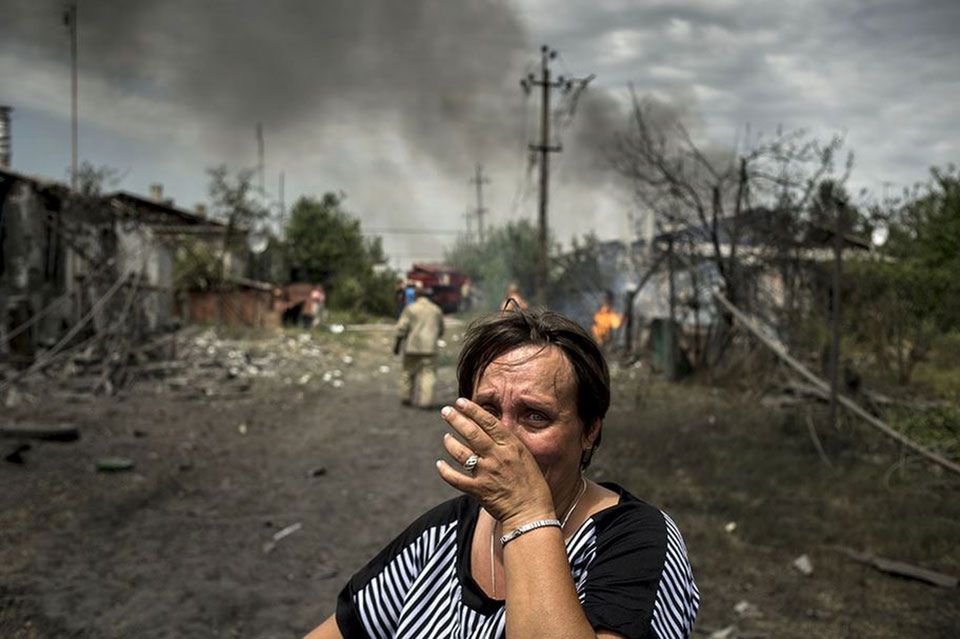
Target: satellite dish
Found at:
257, 242
879, 235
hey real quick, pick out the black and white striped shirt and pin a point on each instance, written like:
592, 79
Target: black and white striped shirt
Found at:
628, 562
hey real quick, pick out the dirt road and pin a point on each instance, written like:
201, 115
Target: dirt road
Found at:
181, 546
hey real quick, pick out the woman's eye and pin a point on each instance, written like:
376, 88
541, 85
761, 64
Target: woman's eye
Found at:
492, 410
538, 417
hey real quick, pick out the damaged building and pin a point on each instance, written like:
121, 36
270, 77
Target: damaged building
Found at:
784, 266
79, 264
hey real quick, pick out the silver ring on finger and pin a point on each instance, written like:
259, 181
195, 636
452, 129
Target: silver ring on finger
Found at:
471, 464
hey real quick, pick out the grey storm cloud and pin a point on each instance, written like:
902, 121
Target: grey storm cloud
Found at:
414, 92
427, 64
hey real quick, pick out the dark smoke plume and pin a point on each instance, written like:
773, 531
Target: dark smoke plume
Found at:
441, 76
428, 65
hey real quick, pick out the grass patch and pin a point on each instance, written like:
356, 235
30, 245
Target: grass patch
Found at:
937, 428
709, 457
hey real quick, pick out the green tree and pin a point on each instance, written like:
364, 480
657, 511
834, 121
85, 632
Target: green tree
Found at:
233, 202
327, 245
507, 254
926, 234
200, 264
912, 294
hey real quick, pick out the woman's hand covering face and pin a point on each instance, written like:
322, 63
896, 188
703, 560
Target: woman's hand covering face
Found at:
507, 480
524, 426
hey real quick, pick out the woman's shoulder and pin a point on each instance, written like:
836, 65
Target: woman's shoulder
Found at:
631, 513
422, 536
448, 512
636, 530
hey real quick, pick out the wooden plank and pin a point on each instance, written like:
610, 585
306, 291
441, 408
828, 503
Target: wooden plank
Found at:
901, 568
65, 432
823, 388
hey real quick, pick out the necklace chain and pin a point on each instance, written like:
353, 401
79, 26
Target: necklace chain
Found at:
563, 524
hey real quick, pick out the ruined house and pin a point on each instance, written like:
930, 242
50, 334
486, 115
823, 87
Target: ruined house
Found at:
75, 263
784, 268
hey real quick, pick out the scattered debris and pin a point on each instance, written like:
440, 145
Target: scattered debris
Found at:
731, 632
900, 568
747, 610
730, 526
812, 429
15, 456
803, 565
12, 398
319, 471
114, 464
192, 363
279, 535
42, 432
242, 429
336, 329
326, 572
823, 388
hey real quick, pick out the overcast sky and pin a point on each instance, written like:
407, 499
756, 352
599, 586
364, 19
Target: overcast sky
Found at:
394, 103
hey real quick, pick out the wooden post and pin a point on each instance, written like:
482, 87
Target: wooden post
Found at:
838, 231
671, 329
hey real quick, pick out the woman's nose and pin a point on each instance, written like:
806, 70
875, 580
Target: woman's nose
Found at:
510, 421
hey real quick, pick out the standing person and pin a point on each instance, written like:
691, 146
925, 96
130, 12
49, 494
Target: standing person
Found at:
318, 299
532, 547
418, 330
308, 311
410, 293
606, 320
513, 293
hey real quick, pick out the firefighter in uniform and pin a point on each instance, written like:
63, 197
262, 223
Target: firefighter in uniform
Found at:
418, 330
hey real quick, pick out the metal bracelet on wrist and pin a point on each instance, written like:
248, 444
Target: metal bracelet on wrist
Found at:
533, 525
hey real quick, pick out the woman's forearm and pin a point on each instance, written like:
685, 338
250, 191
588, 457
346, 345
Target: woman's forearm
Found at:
327, 630
541, 597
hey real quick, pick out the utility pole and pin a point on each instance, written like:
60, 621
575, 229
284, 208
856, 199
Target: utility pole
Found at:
544, 148
839, 230
479, 180
671, 346
283, 204
70, 20
468, 214
260, 164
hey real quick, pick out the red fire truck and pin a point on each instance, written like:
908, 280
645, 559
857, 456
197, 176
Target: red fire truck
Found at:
446, 282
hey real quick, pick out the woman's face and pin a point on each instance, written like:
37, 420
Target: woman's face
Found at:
532, 390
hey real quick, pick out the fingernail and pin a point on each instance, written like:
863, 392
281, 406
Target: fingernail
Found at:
461, 402
445, 411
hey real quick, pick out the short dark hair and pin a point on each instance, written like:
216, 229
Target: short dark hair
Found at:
489, 337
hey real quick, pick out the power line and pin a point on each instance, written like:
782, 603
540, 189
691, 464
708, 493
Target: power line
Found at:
525, 161
410, 231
